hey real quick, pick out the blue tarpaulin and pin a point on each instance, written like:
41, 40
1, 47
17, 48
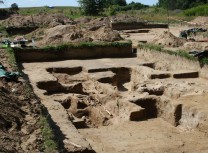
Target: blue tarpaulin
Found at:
8, 75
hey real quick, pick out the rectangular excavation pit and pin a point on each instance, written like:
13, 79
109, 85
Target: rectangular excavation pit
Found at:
104, 77
150, 106
138, 31
66, 70
123, 75
54, 87
131, 134
160, 76
150, 65
184, 75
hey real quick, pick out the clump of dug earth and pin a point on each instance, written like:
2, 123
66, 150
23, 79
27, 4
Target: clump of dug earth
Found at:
169, 40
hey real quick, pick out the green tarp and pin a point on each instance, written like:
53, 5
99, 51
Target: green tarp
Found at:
8, 75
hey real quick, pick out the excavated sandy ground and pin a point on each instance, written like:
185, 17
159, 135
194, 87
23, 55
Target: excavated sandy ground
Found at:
123, 105
138, 37
152, 136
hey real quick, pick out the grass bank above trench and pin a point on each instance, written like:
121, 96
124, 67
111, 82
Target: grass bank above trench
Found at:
87, 50
180, 53
66, 46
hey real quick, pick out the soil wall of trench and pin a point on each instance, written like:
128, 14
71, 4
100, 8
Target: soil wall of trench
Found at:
136, 25
189, 117
42, 55
176, 63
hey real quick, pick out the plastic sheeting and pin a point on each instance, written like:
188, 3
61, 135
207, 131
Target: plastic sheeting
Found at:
8, 75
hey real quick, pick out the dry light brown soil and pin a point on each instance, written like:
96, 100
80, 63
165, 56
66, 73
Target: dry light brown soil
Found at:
124, 105
143, 104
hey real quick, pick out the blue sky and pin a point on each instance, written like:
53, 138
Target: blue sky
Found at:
32, 3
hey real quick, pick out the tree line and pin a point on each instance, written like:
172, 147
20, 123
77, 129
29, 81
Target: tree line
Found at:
97, 7
181, 4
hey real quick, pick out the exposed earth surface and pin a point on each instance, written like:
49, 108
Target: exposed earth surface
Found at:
149, 103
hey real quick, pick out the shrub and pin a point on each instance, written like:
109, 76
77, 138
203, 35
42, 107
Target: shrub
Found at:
201, 10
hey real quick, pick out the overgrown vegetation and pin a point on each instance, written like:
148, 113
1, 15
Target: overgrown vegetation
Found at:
86, 45
201, 10
158, 15
72, 12
3, 31
181, 4
12, 59
107, 7
49, 144
113, 9
66, 46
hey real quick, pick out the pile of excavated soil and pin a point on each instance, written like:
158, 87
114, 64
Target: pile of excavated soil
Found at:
83, 20
71, 33
105, 34
19, 115
37, 20
168, 39
202, 20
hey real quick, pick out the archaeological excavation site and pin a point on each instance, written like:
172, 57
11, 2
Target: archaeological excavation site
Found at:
134, 104
116, 84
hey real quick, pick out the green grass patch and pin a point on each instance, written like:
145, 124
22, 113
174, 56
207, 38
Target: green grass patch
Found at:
66, 46
201, 10
12, 59
204, 61
160, 48
158, 15
3, 31
71, 12
88, 45
49, 144
181, 53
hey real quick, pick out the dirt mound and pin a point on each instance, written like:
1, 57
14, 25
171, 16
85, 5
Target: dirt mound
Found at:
71, 33
82, 20
168, 39
61, 34
201, 20
106, 34
37, 20
19, 112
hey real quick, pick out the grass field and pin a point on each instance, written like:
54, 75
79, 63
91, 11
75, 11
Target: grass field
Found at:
71, 12
197, 11
154, 14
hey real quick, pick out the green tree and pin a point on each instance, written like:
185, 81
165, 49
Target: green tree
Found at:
96, 7
119, 2
14, 7
180, 4
89, 7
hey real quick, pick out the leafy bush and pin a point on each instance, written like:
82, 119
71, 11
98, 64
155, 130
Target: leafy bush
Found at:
201, 10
